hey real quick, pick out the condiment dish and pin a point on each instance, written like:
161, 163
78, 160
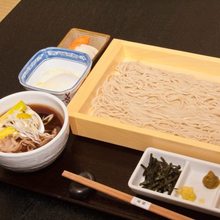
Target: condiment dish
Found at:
189, 190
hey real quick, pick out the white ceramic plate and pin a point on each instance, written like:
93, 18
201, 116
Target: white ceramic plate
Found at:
193, 171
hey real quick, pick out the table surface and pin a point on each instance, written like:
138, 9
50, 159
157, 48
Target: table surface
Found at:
6, 7
192, 26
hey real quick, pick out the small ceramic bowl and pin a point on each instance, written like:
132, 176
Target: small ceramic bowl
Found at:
57, 71
46, 154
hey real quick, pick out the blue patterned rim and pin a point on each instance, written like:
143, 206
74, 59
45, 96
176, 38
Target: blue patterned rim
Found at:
50, 53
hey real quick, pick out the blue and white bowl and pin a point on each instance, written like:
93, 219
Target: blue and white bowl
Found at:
57, 71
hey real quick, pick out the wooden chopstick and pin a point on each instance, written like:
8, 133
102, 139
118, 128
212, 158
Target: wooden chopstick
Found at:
124, 196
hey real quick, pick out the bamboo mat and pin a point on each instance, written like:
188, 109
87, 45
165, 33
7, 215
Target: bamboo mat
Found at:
6, 6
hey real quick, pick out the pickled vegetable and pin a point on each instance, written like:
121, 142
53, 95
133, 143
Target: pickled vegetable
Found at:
78, 41
210, 180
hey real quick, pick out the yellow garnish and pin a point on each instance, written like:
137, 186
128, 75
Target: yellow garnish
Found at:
187, 193
20, 106
23, 116
6, 132
201, 201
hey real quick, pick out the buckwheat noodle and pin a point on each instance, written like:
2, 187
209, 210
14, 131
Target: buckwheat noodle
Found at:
155, 99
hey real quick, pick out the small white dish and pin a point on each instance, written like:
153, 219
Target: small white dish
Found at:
57, 71
193, 171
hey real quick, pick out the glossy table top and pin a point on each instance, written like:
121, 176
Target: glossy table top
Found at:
183, 25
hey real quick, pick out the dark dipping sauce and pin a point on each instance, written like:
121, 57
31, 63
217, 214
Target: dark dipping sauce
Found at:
44, 111
53, 123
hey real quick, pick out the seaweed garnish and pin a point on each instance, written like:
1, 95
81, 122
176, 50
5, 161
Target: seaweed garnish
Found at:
159, 175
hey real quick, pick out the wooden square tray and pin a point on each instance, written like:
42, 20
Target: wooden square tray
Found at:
130, 136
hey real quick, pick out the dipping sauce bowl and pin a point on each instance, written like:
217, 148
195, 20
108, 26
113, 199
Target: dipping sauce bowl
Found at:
41, 157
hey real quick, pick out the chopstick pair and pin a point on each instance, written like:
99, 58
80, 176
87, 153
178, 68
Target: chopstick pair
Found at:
125, 197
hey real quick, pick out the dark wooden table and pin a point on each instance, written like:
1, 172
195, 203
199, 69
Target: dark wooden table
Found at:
192, 26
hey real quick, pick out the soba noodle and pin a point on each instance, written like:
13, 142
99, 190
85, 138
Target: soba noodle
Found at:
151, 98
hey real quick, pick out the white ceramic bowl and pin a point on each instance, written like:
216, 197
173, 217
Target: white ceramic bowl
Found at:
57, 71
42, 156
